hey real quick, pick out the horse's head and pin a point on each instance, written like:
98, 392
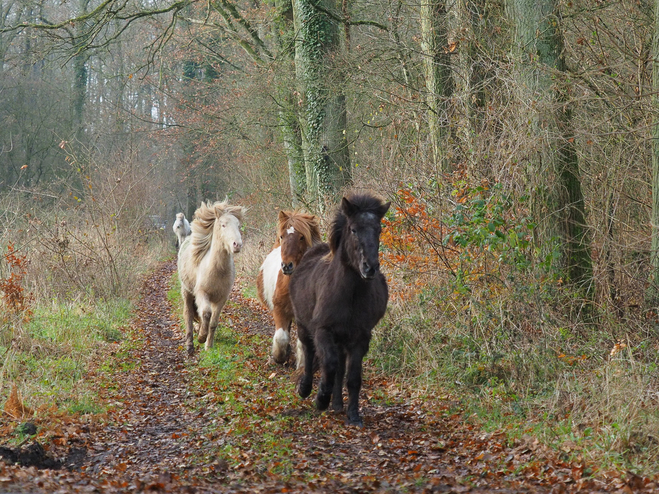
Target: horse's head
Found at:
180, 217
227, 225
357, 228
296, 233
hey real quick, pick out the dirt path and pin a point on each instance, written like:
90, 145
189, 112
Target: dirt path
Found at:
169, 430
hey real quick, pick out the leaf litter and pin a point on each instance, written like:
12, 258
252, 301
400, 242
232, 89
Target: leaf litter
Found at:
231, 422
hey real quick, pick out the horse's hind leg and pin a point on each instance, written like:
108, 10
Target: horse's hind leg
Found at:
337, 393
299, 354
306, 381
189, 310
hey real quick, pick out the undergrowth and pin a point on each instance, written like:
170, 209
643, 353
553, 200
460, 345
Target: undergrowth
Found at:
478, 309
71, 256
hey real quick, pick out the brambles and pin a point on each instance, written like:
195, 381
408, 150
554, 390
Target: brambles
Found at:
485, 231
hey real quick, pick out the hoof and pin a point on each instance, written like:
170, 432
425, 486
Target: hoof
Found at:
279, 358
281, 347
337, 407
355, 422
202, 338
190, 349
322, 402
304, 388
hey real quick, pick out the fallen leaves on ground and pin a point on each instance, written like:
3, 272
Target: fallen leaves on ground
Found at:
230, 421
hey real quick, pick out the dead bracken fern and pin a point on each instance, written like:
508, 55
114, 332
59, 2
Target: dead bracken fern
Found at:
14, 407
16, 300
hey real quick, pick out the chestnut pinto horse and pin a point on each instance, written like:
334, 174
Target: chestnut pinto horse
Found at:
296, 232
339, 295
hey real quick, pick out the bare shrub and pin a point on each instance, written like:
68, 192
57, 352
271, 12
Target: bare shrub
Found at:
86, 237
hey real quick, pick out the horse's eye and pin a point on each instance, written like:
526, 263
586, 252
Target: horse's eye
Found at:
281, 237
301, 237
353, 231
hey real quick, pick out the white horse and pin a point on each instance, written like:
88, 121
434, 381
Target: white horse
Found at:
206, 269
181, 229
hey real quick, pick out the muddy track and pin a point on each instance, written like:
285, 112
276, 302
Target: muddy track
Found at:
153, 435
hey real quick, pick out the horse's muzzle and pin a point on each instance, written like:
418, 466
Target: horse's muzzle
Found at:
367, 271
236, 247
287, 268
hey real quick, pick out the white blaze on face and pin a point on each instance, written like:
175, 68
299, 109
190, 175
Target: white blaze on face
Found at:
271, 267
290, 231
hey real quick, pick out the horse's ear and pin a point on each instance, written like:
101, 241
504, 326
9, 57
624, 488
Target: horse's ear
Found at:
347, 207
283, 216
382, 210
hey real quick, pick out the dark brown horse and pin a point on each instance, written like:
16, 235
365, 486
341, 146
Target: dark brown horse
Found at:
296, 232
339, 295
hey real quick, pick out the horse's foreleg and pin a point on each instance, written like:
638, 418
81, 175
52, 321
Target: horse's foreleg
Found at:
204, 324
281, 341
189, 309
337, 393
212, 326
307, 345
329, 359
354, 384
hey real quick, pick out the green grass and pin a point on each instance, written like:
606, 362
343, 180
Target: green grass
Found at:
250, 291
234, 384
53, 351
78, 325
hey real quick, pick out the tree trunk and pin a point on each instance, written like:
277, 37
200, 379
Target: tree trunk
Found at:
439, 84
654, 221
80, 74
471, 17
558, 199
324, 143
290, 129
289, 122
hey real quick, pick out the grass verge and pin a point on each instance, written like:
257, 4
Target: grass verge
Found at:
49, 355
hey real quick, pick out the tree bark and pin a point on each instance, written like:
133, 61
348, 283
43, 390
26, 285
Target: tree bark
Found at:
439, 84
654, 248
289, 122
324, 143
80, 75
558, 203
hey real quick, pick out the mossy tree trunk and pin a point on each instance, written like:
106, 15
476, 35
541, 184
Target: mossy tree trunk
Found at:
323, 125
289, 122
557, 196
